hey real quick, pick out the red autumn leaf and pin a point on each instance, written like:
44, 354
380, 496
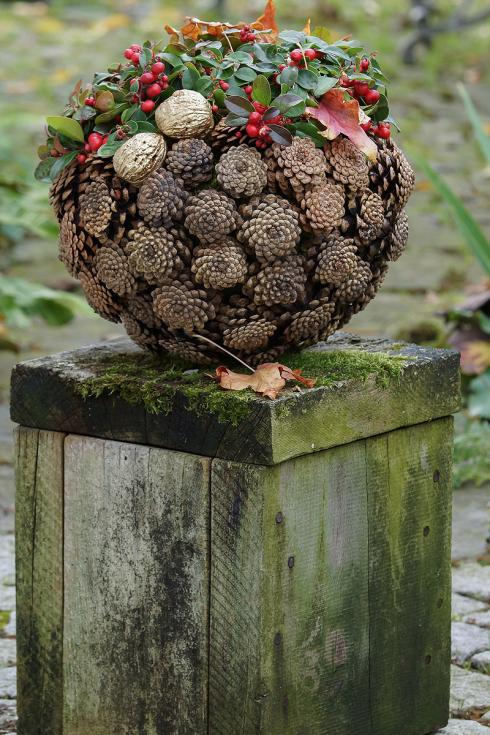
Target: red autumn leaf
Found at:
268, 379
339, 115
268, 21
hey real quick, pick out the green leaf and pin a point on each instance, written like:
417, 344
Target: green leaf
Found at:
109, 148
146, 57
482, 138
324, 85
285, 101
471, 231
308, 130
233, 121
190, 77
307, 79
61, 163
246, 74
108, 116
297, 37
262, 90
43, 170
288, 76
67, 126
204, 85
280, 135
219, 97
146, 127
84, 113
238, 105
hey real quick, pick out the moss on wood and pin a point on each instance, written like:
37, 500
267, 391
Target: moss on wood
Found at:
155, 381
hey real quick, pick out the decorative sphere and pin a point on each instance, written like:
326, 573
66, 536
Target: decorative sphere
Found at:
139, 156
186, 114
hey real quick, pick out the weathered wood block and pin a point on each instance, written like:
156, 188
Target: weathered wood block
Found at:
289, 575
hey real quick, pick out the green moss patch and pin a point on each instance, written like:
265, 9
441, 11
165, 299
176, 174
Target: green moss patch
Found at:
155, 381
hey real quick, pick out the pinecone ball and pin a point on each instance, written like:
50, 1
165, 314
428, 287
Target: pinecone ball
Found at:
190, 160
205, 211
211, 215
241, 172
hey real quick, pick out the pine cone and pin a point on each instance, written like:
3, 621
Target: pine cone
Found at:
95, 206
356, 283
280, 282
191, 160
348, 164
310, 324
161, 199
186, 350
153, 252
99, 297
223, 138
221, 266
249, 337
140, 307
391, 176
112, 269
241, 172
371, 217
270, 228
75, 245
303, 164
137, 331
276, 180
398, 237
211, 215
324, 207
181, 307
61, 195
337, 259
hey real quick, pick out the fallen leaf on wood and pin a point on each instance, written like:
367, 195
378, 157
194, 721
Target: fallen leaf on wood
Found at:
339, 115
268, 379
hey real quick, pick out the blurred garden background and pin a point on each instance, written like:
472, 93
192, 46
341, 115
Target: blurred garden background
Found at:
46, 47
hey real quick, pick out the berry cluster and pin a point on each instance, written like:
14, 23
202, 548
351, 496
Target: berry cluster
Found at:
152, 83
247, 35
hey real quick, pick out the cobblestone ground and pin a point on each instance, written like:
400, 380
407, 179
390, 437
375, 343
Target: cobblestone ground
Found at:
470, 688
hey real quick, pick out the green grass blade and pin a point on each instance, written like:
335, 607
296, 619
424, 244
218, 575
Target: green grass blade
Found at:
473, 235
482, 138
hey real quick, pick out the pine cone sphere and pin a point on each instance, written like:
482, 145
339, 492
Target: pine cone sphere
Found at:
241, 172
259, 251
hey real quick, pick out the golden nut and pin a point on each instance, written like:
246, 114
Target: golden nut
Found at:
139, 156
186, 114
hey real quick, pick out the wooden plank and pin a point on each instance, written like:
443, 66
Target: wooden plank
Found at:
289, 646
44, 396
136, 590
409, 482
39, 559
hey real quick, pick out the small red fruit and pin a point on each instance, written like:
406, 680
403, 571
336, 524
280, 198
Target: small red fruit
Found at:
135, 58
367, 126
310, 54
87, 148
148, 105
361, 88
282, 66
154, 90
95, 140
135, 47
81, 158
224, 85
345, 81
120, 135
214, 108
296, 55
264, 131
238, 134
372, 96
248, 89
259, 107
252, 131
254, 117
383, 131
128, 54
158, 68
90, 101
364, 65
135, 99
147, 78
250, 37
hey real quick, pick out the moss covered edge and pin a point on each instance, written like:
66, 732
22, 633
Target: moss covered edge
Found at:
155, 381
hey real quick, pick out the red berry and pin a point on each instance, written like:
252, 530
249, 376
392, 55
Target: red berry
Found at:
87, 148
90, 101
372, 96
214, 108
135, 58
81, 158
147, 78
282, 66
120, 135
165, 78
238, 134
264, 131
250, 37
246, 28
383, 131
224, 85
364, 65
254, 117
248, 89
154, 90
164, 85
135, 99
252, 131
296, 55
148, 105
361, 88
158, 68
259, 107
135, 47
128, 53
345, 81
367, 126
310, 54
95, 140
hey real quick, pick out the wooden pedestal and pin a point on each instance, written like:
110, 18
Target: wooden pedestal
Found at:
289, 576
